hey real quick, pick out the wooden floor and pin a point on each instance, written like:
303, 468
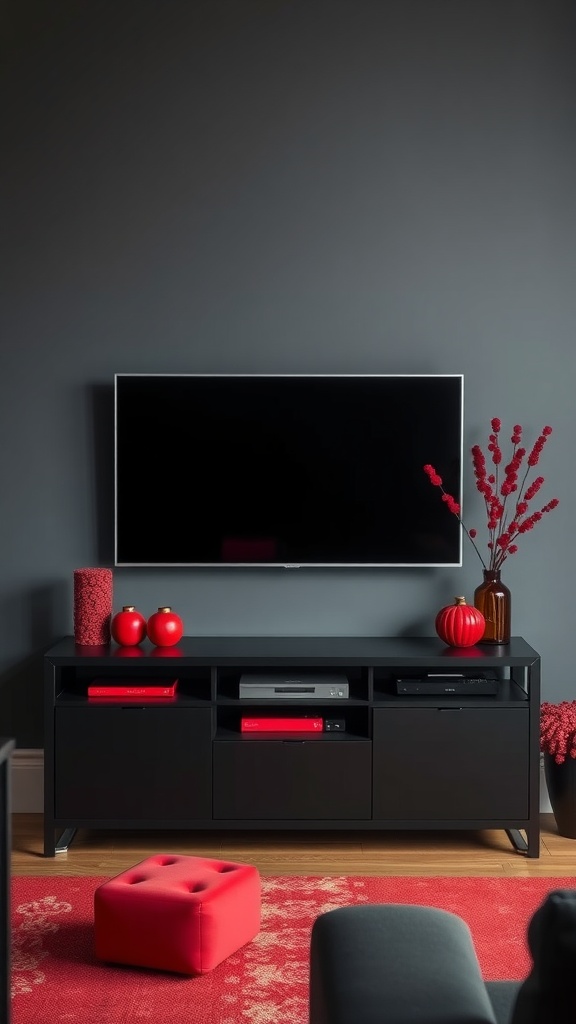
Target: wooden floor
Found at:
300, 853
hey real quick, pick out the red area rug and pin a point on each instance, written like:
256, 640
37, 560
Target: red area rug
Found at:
55, 976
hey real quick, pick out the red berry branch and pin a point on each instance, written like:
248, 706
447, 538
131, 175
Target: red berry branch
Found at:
506, 496
558, 730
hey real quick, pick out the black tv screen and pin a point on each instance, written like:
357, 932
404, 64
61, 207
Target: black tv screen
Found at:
287, 470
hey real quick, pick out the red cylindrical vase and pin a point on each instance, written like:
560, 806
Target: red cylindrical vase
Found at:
92, 606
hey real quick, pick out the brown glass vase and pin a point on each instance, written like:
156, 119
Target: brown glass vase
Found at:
493, 599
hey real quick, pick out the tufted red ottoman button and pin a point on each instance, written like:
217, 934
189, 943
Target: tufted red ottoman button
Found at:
172, 913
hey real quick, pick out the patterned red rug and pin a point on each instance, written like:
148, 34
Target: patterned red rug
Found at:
56, 977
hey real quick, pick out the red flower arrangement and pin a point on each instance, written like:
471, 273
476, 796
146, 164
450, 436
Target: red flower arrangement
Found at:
558, 730
506, 499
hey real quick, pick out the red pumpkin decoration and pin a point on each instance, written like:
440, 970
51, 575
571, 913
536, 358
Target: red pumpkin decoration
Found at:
128, 627
165, 628
460, 624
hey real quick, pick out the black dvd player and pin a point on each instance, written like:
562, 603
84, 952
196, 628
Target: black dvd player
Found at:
433, 685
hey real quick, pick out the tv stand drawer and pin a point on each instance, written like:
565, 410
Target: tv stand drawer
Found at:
292, 779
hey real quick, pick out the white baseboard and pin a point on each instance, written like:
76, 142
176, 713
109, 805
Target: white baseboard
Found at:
27, 778
28, 783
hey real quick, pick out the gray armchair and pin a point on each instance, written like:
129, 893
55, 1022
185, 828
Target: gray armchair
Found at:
407, 964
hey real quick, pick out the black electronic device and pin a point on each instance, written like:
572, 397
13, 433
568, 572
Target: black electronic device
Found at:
288, 470
451, 684
335, 725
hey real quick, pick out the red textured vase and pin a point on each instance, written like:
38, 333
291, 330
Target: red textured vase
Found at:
92, 606
460, 624
128, 627
165, 628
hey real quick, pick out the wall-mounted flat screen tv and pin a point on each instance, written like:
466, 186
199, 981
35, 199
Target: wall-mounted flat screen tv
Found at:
292, 470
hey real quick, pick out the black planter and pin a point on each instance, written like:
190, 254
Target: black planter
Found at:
561, 783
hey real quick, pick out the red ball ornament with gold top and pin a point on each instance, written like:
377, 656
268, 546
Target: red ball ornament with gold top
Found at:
128, 627
460, 624
165, 627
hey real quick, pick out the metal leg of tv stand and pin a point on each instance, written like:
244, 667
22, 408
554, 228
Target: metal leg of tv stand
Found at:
65, 840
530, 846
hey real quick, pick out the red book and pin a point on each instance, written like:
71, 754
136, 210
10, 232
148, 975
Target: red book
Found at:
281, 724
139, 688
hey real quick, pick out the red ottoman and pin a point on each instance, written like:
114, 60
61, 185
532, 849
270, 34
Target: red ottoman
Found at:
183, 914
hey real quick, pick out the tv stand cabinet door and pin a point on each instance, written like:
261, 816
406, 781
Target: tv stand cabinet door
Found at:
132, 763
292, 780
451, 763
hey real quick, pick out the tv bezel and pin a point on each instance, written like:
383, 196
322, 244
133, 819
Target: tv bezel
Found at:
283, 564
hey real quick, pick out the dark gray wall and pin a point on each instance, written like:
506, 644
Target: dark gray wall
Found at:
278, 187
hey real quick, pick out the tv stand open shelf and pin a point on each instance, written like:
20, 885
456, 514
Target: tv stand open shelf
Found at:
403, 761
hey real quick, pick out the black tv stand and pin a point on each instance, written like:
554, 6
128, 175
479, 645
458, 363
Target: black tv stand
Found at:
413, 761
